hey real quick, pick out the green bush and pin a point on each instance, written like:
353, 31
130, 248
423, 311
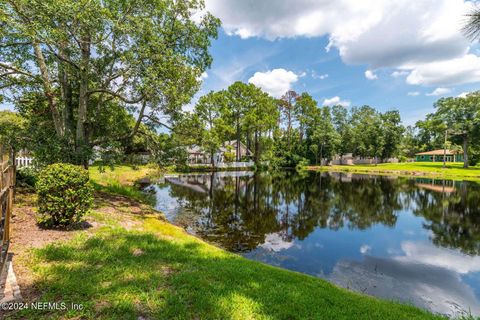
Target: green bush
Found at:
64, 195
27, 176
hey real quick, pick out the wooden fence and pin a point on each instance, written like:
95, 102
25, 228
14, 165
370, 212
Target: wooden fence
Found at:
7, 184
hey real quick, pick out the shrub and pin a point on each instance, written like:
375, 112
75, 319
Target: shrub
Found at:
64, 195
229, 156
27, 176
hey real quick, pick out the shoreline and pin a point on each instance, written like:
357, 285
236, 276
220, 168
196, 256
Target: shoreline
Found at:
443, 174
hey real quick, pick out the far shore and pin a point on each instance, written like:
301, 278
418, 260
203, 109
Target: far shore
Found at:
434, 170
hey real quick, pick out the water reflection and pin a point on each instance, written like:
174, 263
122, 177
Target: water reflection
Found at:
415, 240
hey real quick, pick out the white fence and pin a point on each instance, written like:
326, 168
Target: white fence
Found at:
21, 162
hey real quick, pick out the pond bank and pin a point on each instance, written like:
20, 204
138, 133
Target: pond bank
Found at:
130, 263
453, 171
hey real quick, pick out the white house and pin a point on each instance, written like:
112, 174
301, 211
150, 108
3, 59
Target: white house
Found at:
196, 154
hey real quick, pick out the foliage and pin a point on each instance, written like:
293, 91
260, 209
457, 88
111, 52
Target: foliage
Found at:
86, 59
229, 156
12, 130
461, 116
64, 195
168, 151
26, 176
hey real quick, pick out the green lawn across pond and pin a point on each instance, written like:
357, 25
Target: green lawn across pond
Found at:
155, 270
453, 171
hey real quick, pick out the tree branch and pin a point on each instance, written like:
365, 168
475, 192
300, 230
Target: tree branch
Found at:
155, 120
16, 70
117, 95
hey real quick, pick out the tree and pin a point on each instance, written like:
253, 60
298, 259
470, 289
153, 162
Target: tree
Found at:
213, 128
343, 126
304, 112
238, 100
145, 55
367, 132
461, 116
287, 110
260, 117
392, 131
324, 136
12, 130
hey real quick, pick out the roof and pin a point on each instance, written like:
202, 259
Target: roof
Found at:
438, 152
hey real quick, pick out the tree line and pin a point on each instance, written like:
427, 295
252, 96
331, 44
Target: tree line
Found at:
287, 131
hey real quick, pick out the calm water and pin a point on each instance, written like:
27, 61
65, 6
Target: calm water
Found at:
413, 240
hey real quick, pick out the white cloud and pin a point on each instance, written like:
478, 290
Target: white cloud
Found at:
365, 248
439, 92
399, 73
372, 32
449, 259
463, 94
411, 36
203, 76
336, 101
319, 76
450, 72
413, 93
370, 75
274, 242
276, 82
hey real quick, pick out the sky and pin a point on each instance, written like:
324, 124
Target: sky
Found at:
402, 54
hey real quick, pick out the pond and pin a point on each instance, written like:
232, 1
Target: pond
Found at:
410, 240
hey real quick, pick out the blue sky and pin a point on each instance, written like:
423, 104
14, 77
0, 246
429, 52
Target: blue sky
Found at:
322, 74
401, 55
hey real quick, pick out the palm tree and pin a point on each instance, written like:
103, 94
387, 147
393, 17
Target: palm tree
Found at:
471, 29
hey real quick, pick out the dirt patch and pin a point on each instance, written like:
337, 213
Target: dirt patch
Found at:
26, 234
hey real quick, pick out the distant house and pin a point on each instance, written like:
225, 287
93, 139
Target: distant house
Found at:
196, 154
349, 159
437, 156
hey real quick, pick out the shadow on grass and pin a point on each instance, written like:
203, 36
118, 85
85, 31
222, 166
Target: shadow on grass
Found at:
126, 275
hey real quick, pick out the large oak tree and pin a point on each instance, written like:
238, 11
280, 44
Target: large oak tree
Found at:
144, 55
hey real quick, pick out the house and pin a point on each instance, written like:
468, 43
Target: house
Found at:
196, 154
349, 159
437, 156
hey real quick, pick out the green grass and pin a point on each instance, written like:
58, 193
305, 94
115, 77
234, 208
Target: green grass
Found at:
160, 272
453, 171
121, 180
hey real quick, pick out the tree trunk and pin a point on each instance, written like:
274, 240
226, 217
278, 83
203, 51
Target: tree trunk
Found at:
321, 154
212, 159
83, 102
47, 87
66, 92
465, 151
257, 148
237, 156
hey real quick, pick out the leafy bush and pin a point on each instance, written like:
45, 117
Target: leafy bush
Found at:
27, 176
64, 195
229, 156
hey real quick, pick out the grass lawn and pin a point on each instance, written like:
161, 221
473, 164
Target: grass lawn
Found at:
121, 180
453, 171
132, 264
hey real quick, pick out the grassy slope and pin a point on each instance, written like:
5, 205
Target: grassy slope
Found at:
121, 181
428, 169
157, 271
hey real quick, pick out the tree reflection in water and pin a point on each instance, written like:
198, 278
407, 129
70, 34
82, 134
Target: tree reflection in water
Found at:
238, 211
